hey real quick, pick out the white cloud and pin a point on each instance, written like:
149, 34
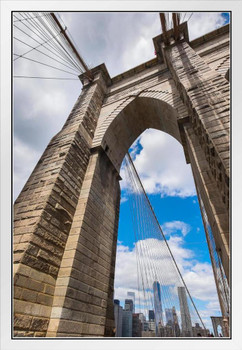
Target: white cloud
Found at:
126, 268
198, 276
141, 48
214, 305
153, 255
176, 226
202, 23
201, 283
122, 41
124, 199
161, 166
183, 256
24, 160
39, 113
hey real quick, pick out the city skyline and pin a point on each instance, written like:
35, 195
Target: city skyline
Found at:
162, 323
130, 324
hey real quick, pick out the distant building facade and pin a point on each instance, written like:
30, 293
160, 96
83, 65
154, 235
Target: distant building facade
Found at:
151, 315
152, 326
148, 334
172, 328
136, 326
149, 326
146, 326
157, 305
127, 322
186, 322
169, 316
199, 331
131, 295
143, 320
129, 305
176, 326
118, 318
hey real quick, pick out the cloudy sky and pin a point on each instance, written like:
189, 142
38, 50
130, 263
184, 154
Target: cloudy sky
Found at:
122, 41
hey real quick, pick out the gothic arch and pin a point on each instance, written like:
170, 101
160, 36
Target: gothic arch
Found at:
91, 244
116, 133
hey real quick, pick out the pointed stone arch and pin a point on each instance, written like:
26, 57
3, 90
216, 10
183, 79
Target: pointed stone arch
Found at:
93, 235
117, 131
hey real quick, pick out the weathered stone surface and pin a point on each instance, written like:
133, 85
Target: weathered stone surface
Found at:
39, 324
183, 61
216, 210
22, 321
39, 334
45, 208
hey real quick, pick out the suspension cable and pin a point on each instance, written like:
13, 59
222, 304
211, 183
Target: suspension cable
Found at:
145, 245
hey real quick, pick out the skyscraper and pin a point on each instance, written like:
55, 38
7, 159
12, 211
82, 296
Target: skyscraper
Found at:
176, 323
127, 323
151, 315
118, 316
172, 328
185, 313
131, 295
169, 316
129, 305
157, 305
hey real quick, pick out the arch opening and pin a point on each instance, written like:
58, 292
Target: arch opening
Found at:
176, 226
140, 114
219, 330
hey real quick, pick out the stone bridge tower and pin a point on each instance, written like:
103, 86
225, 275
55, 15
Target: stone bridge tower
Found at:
66, 217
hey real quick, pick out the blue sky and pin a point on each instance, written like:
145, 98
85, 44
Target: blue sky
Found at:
38, 103
226, 16
170, 209
177, 209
